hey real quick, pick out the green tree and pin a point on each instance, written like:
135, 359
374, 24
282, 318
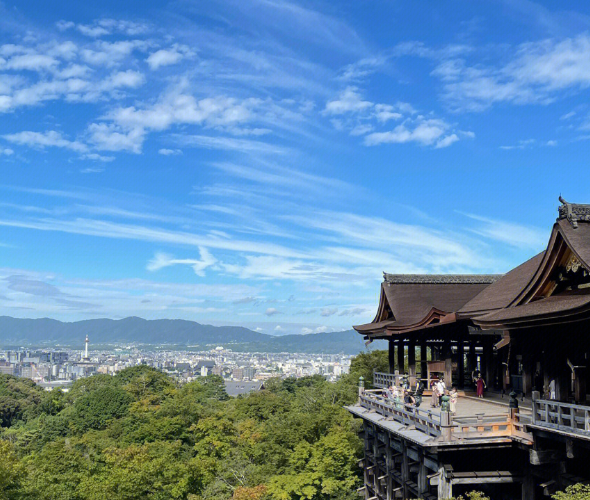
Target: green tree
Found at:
12, 472
97, 408
574, 492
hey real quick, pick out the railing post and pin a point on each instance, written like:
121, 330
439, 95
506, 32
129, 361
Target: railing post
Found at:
446, 420
361, 387
536, 396
513, 404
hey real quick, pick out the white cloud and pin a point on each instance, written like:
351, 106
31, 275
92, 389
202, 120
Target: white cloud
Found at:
349, 101
271, 311
447, 141
425, 132
328, 311
167, 57
536, 74
112, 53
119, 79
385, 112
109, 137
515, 235
97, 157
50, 138
6, 151
162, 260
169, 152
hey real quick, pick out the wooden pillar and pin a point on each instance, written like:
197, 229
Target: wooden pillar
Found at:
528, 484
527, 373
391, 356
448, 364
445, 488
412, 363
580, 385
389, 467
400, 357
422, 475
376, 469
488, 359
461, 362
423, 360
471, 359
405, 468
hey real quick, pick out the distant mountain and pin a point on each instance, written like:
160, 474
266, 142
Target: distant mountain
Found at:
43, 331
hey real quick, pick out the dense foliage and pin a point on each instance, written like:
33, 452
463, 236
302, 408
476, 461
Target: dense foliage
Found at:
138, 435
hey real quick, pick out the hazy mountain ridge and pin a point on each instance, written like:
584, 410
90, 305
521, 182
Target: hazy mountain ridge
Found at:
170, 331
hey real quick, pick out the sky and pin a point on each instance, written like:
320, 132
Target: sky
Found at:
263, 162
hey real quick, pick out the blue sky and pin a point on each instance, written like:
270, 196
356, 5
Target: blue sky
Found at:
263, 162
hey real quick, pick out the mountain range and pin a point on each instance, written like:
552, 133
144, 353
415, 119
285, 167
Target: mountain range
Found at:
44, 331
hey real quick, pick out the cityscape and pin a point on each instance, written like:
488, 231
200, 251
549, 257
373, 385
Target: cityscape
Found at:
59, 368
294, 250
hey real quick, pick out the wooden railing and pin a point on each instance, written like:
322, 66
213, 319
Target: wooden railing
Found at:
425, 421
385, 380
443, 425
564, 417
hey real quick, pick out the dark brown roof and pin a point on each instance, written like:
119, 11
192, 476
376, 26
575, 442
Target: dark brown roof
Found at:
415, 300
502, 293
523, 297
410, 303
551, 309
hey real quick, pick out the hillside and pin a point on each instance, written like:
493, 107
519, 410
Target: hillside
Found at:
16, 331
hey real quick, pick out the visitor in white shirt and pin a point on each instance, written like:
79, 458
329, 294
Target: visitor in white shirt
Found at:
440, 389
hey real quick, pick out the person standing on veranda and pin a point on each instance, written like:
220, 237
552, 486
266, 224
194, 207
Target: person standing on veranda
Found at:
481, 385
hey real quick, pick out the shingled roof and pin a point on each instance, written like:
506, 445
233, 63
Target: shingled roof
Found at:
413, 301
537, 291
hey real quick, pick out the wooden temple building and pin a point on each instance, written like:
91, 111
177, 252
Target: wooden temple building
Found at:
527, 333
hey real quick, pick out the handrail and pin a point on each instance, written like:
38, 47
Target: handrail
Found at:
564, 417
464, 427
423, 420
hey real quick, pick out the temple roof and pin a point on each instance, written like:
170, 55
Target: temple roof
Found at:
414, 301
551, 287
502, 292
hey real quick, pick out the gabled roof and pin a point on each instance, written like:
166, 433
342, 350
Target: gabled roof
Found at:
552, 287
504, 291
410, 302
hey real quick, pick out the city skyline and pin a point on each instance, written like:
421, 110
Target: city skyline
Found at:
262, 164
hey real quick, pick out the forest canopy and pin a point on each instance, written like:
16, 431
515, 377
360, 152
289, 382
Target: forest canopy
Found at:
139, 435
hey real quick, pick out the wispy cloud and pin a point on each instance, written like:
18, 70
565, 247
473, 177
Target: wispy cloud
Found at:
162, 260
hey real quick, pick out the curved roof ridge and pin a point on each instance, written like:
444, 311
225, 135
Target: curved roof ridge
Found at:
443, 279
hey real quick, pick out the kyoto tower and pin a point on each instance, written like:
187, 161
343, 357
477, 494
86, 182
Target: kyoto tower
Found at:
86, 349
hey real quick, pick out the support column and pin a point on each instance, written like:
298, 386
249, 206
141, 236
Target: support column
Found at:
528, 484
448, 364
412, 363
461, 362
471, 358
422, 475
488, 360
580, 385
405, 468
389, 467
391, 356
445, 488
423, 360
400, 357
527, 373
